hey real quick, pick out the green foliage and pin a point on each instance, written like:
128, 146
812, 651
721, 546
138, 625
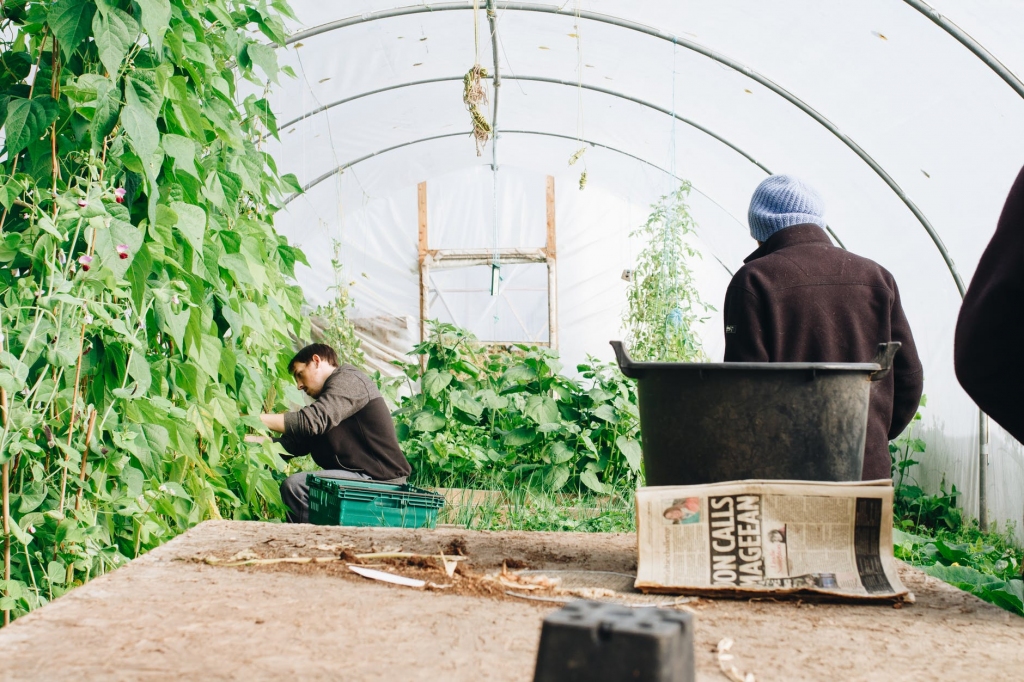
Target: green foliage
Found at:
988, 566
664, 305
332, 324
931, 532
519, 508
912, 507
510, 418
144, 291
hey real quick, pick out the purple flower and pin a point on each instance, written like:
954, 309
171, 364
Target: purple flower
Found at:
122, 251
84, 261
174, 299
119, 196
82, 203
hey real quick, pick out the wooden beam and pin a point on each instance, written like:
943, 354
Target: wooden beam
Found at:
551, 250
424, 265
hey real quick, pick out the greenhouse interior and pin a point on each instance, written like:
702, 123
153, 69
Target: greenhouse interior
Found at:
466, 202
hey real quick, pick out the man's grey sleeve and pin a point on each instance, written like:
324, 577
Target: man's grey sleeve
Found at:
346, 395
296, 447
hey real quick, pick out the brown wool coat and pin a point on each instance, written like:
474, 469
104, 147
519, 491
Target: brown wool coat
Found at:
990, 331
801, 299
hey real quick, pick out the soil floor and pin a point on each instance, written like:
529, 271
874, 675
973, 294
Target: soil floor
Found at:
174, 615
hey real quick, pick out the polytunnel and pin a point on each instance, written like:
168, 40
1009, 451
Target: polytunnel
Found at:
905, 116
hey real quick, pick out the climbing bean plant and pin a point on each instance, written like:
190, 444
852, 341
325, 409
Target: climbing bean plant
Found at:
146, 302
664, 306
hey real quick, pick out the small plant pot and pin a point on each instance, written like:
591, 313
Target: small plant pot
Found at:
710, 422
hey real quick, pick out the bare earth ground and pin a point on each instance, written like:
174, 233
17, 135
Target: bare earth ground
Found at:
170, 615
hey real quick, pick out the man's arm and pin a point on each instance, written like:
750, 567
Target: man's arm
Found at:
744, 337
907, 371
346, 395
274, 422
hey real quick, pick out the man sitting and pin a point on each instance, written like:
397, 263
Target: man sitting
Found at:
801, 299
348, 429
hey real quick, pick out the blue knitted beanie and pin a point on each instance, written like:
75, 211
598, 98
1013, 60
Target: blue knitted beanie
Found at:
783, 201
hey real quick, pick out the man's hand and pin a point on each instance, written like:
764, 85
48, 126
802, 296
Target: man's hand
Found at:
274, 422
253, 438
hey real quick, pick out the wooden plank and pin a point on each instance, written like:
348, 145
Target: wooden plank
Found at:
424, 265
552, 253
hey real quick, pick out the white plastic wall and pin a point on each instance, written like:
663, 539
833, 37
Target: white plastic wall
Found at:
941, 123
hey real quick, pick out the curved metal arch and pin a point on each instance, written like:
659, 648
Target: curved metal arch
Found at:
340, 169
689, 45
343, 167
970, 43
539, 79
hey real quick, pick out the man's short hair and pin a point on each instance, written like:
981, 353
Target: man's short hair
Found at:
325, 352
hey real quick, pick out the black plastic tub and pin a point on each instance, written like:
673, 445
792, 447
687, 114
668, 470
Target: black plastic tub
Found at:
710, 422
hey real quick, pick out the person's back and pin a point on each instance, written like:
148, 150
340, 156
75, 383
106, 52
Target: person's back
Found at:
798, 298
990, 329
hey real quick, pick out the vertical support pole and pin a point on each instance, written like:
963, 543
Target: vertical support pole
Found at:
983, 433
424, 264
6, 482
551, 251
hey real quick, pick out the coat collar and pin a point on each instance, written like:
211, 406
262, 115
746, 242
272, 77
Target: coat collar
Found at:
807, 233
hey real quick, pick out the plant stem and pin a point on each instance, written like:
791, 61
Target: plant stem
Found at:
7, 510
85, 454
71, 425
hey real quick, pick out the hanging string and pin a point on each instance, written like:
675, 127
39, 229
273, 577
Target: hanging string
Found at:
476, 32
474, 95
579, 96
673, 317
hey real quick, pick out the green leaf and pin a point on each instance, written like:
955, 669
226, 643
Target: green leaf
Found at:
138, 369
434, 381
524, 435
492, 400
207, 355
156, 18
141, 128
183, 151
427, 421
560, 453
264, 57
631, 451
71, 21
556, 478
139, 93
519, 374
191, 223
23, 536
108, 109
27, 121
542, 410
114, 32
464, 401
56, 573
606, 413
589, 479
107, 240
32, 496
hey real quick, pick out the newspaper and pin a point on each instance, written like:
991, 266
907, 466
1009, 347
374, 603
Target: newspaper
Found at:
779, 537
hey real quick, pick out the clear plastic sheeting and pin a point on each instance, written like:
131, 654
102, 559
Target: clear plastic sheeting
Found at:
717, 93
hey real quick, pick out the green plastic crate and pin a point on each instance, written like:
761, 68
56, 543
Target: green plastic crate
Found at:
341, 502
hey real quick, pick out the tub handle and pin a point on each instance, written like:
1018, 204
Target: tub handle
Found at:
626, 364
886, 352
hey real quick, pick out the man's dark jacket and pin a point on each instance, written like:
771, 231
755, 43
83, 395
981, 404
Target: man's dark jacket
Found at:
801, 299
990, 331
347, 427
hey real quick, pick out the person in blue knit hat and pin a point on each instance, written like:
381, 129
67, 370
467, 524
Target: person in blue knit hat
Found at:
783, 201
799, 298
